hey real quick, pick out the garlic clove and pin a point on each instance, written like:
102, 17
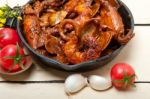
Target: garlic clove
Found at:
75, 83
99, 83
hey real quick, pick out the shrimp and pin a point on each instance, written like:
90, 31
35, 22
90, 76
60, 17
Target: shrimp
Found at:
111, 19
93, 43
74, 55
72, 52
32, 30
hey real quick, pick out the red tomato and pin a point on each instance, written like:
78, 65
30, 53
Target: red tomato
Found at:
9, 55
8, 36
122, 75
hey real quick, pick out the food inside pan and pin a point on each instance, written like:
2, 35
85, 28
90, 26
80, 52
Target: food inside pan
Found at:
74, 31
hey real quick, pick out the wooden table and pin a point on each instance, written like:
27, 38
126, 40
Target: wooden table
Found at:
47, 83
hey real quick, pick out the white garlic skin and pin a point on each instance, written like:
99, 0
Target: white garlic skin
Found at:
99, 83
75, 83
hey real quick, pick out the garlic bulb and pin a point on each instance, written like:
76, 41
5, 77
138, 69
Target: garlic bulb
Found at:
99, 83
75, 83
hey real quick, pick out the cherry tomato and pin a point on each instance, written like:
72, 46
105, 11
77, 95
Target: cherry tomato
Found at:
122, 75
8, 36
12, 58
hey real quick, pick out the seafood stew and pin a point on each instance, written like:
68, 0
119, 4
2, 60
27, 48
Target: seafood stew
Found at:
74, 31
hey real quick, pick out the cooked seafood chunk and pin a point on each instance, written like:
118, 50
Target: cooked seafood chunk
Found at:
32, 30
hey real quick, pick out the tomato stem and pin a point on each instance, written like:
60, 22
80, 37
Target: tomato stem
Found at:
126, 80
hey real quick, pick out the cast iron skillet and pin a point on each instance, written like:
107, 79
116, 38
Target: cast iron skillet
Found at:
43, 60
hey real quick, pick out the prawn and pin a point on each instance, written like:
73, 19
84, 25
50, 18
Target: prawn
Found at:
111, 19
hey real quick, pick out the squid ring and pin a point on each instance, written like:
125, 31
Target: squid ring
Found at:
62, 26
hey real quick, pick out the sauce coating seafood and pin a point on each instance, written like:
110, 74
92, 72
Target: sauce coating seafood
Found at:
74, 31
